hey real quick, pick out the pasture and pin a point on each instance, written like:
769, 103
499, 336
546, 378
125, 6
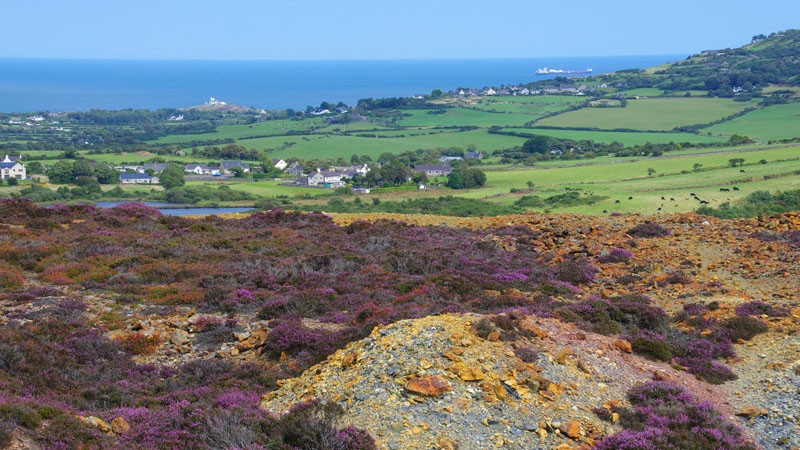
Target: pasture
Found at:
657, 114
771, 123
627, 138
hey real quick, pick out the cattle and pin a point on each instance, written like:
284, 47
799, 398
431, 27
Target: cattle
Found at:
692, 194
672, 199
616, 201
630, 198
605, 211
735, 188
724, 190
741, 170
703, 202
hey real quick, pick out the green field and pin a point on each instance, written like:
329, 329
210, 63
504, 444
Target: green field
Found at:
627, 138
459, 117
270, 127
771, 123
333, 146
649, 114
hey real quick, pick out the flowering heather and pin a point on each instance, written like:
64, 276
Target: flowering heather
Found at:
664, 416
616, 255
649, 230
757, 308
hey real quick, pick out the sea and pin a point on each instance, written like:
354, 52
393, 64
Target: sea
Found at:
59, 85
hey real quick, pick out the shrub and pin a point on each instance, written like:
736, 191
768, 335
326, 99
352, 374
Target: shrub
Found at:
744, 327
576, 272
10, 277
648, 230
664, 416
312, 424
650, 344
483, 327
139, 343
758, 308
616, 255
527, 354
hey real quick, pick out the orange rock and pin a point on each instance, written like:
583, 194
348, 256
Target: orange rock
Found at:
561, 358
623, 345
571, 429
751, 411
349, 359
470, 373
428, 386
446, 444
120, 426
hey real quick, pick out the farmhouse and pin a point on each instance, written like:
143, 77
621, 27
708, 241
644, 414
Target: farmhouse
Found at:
434, 170
279, 164
156, 167
11, 167
327, 179
137, 178
294, 168
200, 169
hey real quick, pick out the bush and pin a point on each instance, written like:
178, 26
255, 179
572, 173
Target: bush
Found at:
527, 354
312, 424
483, 327
664, 416
758, 308
650, 344
744, 327
139, 343
616, 255
648, 230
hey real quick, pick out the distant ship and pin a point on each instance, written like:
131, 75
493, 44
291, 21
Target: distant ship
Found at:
546, 71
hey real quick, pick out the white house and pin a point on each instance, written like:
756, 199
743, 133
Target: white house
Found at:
11, 167
137, 178
200, 169
279, 164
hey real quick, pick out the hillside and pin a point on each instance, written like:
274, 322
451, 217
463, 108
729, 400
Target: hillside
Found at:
176, 329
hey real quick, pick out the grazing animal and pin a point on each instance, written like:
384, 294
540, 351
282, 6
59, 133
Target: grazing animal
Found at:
604, 211
659, 209
672, 199
692, 194
735, 188
630, 198
616, 201
662, 198
724, 190
741, 170
703, 202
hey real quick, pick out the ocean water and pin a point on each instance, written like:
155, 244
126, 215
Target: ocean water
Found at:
28, 85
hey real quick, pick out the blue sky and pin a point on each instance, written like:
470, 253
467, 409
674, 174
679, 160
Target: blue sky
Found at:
361, 29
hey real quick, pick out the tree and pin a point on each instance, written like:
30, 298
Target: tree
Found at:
650, 171
172, 176
61, 172
464, 177
436, 93
82, 168
12, 181
696, 167
35, 167
105, 174
736, 162
530, 184
537, 144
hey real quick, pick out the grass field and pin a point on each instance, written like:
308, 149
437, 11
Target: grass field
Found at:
626, 138
270, 127
771, 123
459, 117
649, 114
334, 146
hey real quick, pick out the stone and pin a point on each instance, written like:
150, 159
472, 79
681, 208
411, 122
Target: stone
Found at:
120, 426
99, 423
660, 375
561, 358
751, 411
623, 345
470, 373
446, 444
571, 429
179, 337
349, 359
431, 386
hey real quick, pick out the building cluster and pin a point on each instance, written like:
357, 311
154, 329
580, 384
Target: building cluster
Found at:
148, 173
